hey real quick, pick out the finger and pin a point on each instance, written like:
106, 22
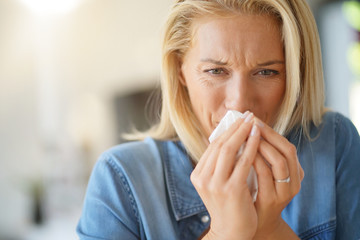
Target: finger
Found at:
279, 166
279, 142
277, 161
207, 162
297, 175
302, 173
288, 150
243, 165
209, 159
230, 148
266, 185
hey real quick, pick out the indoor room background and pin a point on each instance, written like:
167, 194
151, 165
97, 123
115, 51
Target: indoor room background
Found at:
76, 74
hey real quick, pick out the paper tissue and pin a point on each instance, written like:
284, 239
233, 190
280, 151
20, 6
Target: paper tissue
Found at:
229, 118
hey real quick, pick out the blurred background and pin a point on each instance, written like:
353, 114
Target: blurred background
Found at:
75, 74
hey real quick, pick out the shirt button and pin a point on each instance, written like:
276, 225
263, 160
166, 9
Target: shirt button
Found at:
205, 218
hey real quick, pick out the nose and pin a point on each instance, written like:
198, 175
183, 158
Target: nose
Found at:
238, 94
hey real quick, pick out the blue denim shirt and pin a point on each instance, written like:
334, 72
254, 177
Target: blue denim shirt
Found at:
142, 190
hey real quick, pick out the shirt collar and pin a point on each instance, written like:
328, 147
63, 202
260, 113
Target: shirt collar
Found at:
185, 200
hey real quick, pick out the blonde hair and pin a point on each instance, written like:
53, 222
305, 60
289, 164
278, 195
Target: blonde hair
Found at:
304, 95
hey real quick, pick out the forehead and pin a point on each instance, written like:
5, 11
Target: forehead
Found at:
240, 35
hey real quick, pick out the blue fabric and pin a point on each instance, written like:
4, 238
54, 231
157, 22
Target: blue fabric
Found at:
142, 190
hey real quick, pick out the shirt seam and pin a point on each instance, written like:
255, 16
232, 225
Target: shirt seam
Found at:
331, 225
170, 181
126, 186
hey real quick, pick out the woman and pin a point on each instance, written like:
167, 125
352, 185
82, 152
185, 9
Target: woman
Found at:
261, 57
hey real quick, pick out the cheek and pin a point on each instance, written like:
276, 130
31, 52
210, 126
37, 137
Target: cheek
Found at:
203, 94
205, 101
274, 100
278, 96
267, 99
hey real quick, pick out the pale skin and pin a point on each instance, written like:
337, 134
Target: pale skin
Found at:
238, 64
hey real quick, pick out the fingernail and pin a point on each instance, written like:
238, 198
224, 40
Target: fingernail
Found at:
260, 124
253, 130
245, 114
249, 117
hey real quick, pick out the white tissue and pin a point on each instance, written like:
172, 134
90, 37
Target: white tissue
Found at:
230, 117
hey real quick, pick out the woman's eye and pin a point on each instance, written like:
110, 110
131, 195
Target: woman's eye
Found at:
268, 72
215, 71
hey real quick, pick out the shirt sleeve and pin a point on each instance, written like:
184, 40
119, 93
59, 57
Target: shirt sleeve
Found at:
109, 211
347, 179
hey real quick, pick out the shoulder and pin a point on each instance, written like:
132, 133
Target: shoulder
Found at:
112, 208
337, 120
342, 127
133, 156
134, 173
337, 131
334, 125
347, 155
331, 158
137, 149
334, 138
127, 164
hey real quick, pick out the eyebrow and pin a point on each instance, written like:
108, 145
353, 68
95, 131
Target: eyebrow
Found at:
268, 63
271, 63
213, 61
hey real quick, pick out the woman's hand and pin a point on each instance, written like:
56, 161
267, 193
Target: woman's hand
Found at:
220, 179
276, 162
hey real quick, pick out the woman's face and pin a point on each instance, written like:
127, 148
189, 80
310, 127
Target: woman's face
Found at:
235, 64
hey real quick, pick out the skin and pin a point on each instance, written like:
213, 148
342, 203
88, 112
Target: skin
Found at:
238, 64
234, 70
